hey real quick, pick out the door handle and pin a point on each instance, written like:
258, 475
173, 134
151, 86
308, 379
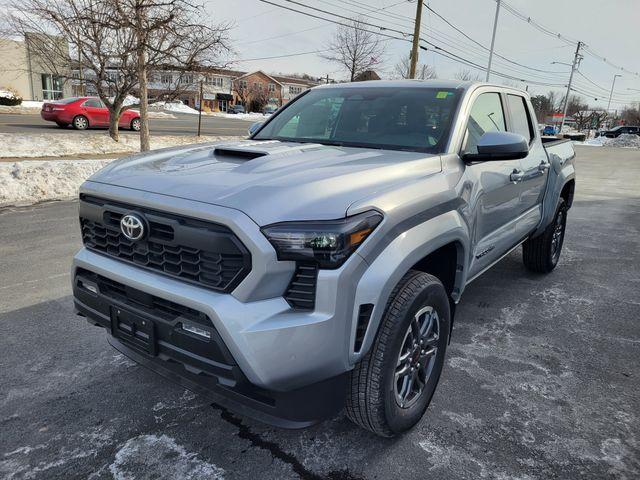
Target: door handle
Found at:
543, 166
516, 176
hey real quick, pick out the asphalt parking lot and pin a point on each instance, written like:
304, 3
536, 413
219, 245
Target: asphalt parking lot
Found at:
182, 124
541, 379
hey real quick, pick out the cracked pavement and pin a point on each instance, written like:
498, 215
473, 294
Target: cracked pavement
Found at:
541, 377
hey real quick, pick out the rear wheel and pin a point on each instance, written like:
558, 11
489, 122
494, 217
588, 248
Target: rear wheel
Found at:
80, 122
62, 124
135, 124
392, 386
541, 254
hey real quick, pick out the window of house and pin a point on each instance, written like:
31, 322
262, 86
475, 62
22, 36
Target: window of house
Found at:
520, 120
242, 84
186, 79
294, 89
486, 116
272, 87
51, 87
166, 78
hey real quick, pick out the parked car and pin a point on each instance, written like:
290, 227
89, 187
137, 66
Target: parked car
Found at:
236, 109
269, 110
85, 112
619, 130
549, 130
319, 263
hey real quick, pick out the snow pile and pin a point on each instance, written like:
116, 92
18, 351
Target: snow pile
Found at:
32, 104
255, 116
176, 107
626, 140
36, 145
623, 141
25, 183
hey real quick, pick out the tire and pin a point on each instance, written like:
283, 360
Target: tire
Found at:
375, 400
80, 122
62, 124
135, 124
541, 254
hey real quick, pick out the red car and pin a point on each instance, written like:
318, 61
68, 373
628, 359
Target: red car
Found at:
85, 112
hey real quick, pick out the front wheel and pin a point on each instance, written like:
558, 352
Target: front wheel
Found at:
392, 386
541, 254
135, 124
80, 122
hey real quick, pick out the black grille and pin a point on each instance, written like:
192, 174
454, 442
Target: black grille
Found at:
156, 306
364, 314
301, 293
196, 251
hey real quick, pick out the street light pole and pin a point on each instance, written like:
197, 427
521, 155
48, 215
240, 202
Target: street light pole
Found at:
493, 39
416, 41
612, 87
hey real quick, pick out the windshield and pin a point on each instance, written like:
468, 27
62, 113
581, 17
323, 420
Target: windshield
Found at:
417, 119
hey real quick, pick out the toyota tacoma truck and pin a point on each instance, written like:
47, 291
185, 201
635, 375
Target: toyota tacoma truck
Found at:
317, 265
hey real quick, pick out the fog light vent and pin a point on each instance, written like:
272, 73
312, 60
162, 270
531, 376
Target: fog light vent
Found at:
364, 315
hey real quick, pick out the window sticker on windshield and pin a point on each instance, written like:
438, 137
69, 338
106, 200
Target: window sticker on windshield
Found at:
444, 94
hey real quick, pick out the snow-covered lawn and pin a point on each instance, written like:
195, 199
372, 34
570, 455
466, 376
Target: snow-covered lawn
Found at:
256, 117
34, 145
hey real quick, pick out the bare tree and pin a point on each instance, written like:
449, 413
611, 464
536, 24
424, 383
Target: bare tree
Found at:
168, 33
423, 71
466, 75
355, 49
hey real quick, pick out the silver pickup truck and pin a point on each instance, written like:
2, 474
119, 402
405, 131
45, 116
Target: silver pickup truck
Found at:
317, 265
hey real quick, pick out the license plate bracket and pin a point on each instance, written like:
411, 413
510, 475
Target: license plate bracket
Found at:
134, 330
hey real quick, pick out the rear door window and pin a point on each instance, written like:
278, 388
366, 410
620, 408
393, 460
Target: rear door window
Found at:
93, 103
520, 120
486, 116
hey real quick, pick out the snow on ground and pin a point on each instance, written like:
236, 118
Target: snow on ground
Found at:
25, 183
35, 145
31, 181
623, 141
176, 107
255, 116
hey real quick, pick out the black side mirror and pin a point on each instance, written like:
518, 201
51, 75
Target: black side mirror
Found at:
499, 146
254, 127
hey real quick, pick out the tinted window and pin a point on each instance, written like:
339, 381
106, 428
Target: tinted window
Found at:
486, 116
66, 101
93, 102
391, 118
520, 121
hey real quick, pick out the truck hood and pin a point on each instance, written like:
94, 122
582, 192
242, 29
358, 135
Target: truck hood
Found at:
270, 181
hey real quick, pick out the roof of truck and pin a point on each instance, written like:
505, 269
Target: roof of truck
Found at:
437, 83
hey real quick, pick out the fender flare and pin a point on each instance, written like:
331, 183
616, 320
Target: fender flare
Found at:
387, 269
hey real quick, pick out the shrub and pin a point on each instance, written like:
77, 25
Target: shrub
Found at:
9, 97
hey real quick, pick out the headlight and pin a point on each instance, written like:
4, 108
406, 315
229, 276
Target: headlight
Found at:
328, 243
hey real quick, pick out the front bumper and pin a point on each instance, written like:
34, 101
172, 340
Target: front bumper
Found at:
150, 330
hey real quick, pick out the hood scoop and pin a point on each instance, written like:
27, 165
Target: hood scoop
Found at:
241, 153
248, 150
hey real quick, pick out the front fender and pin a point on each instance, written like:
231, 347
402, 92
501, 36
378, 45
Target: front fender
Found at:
404, 251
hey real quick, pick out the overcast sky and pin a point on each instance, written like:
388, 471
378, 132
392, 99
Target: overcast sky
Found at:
610, 28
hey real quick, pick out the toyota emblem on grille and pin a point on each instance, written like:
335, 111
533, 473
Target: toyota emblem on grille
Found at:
132, 227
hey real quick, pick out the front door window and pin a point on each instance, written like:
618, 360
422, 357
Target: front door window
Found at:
51, 87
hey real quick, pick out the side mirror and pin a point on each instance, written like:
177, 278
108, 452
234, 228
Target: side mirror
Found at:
499, 146
254, 128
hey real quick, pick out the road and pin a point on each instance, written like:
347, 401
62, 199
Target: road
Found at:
183, 124
541, 379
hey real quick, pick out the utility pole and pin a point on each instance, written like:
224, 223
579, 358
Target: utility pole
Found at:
327, 82
416, 41
574, 67
200, 109
493, 39
612, 87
